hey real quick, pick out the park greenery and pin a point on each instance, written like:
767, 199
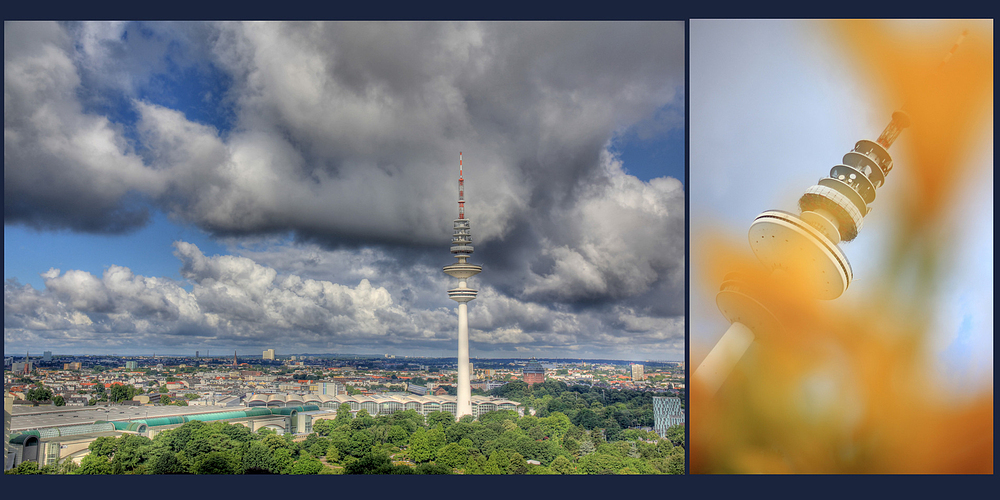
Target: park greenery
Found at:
499, 442
115, 394
611, 410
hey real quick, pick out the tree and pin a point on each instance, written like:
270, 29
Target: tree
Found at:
476, 464
587, 419
274, 442
94, 464
675, 434
59, 401
562, 465
398, 436
497, 463
675, 464
332, 454
497, 416
256, 459
453, 455
458, 431
440, 417
599, 463
166, 463
518, 465
38, 393
130, 453
323, 427
555, 425
217, 462
307, 465
103, 446
363, 420
282, 461
432, 468
25, 468
375, 463
420, 448
121, 392
436, 439
360, 443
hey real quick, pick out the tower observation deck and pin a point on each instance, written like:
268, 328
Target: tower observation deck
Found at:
461, 248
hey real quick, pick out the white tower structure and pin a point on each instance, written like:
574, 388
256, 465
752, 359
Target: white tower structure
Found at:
803, 247
461, 247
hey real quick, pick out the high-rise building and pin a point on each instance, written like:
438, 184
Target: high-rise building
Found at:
667, 412
328, 388
533, 372
269, 354
637, 374
131, 365
461, 242
47, 356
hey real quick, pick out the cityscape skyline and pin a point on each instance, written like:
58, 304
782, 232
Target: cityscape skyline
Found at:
251, 181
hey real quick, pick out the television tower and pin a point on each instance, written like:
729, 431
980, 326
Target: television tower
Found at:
803, 247
461, 247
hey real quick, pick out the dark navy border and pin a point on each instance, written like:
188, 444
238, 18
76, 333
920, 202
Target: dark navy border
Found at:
494, 486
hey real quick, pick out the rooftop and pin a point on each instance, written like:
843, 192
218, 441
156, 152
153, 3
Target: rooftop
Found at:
23, 419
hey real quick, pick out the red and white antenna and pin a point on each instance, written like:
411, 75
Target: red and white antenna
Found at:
461, 189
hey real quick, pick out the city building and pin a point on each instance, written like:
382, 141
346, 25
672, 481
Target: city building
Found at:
46, 435
8, 408
269, 354
462, 250
487, 385
637, 375
22, 367
533, 373
72, 366
667, 412
47, 356
328, 388
131, 365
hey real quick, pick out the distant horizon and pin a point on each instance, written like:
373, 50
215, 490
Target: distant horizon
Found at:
372, 355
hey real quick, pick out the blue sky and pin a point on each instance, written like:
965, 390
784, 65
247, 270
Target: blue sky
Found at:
774, 105
307, 172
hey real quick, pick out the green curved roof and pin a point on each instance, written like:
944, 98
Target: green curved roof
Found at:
208, 417
158, 421
20, 438
137, 426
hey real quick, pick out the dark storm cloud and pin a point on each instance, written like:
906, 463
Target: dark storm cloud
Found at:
346, 134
